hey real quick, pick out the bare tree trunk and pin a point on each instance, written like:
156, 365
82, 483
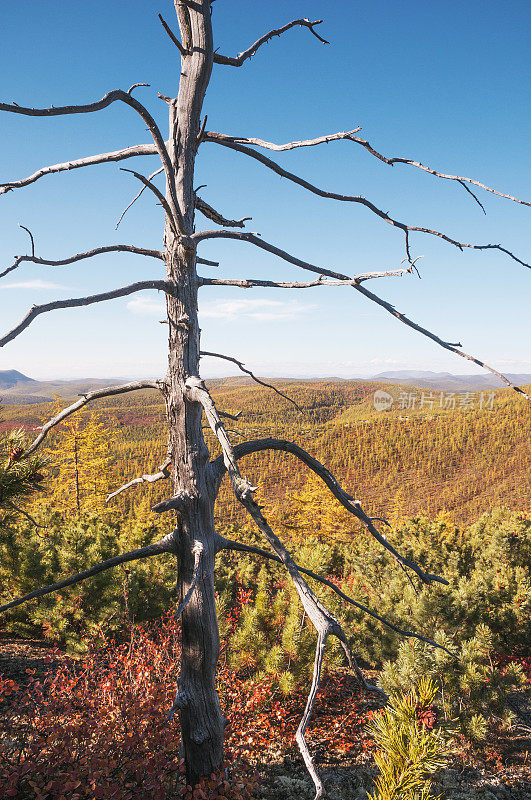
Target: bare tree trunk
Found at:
195, 480
202, 723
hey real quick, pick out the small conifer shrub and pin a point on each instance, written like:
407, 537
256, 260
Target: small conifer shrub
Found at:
411, 744
471, 689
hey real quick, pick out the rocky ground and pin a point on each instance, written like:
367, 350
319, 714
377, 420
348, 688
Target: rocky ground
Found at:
478, 776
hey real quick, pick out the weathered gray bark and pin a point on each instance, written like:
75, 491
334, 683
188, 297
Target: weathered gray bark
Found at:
202, 723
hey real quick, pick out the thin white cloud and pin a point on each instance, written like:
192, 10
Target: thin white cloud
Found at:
254, 308
247, 308
35, 284
144, 304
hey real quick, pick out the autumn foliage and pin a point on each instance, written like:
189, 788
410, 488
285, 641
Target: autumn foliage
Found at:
400, 463
98, 728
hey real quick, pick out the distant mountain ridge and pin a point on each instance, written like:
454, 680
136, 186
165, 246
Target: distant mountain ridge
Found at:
19, 389
10, 378
445, 381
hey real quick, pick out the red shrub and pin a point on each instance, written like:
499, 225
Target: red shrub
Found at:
427, 716
97, 728
525, 663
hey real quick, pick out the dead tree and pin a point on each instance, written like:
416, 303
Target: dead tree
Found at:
194, 477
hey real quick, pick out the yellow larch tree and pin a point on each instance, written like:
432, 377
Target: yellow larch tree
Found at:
81, 456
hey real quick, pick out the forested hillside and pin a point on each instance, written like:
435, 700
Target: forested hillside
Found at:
450, 473
462, 454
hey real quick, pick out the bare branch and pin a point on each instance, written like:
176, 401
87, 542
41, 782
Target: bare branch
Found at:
253, 283
453, 347
474, 196
97, 251
165, 545
258, 242
135, 86
355, 668
250, 283
172, 219
253, 238
238, 60
206, 261
88, 161
202, 129
230, 416
347, 501
229, 544
25, 514
197, 392
98, 105
249, 151
324, 622
331, 137
349, 136
32, 240
35, 311
135, 198
303, 724
157, 476
218, 218
240, 366
109, 391
173, 37
446, 176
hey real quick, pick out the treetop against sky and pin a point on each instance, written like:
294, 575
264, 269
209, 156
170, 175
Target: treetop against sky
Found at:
445, 84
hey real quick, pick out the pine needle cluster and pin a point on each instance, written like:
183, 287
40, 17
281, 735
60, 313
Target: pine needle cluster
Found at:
411, 747
273, 638
472, 689
20, 476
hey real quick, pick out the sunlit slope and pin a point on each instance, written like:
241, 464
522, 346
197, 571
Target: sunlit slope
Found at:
465, 455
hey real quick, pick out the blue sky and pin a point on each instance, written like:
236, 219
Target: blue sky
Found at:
445, 83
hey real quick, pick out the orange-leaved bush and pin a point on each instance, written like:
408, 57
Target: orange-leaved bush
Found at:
97, 727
